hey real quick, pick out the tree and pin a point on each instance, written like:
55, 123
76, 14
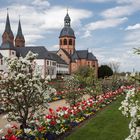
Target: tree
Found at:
95, 90
73, 93
114, 65
86, 76
104, 71
23, 92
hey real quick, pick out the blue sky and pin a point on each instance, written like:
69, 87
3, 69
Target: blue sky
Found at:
108, 28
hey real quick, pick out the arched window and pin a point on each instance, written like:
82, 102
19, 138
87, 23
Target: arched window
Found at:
60, 42
70, 42
65, 41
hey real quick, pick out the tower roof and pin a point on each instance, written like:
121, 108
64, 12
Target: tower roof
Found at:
67, 18
8, 26
19, 32
67, 30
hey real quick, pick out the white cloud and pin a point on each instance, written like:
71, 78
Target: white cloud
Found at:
125, 56
133, 27
32, 38
123, 10
118, 11
107, 23
132, 39
105, 1
37, 22
55, 47
124, 1
97, 1
42, 3
87, 33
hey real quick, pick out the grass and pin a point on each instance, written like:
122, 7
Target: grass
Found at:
109, 124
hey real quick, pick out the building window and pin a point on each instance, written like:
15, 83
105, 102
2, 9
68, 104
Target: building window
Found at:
70, 42
52, 72
13, 53
65, 41
1, 62
47, 62
48, 72
54, 63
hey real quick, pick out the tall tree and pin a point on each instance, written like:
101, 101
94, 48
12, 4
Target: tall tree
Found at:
23, 92
104, 71
114, 65
73, 93
86, 76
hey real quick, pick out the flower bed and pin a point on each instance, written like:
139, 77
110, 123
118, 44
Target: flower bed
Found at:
63, 119
59, 95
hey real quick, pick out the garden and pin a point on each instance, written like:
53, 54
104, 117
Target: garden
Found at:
25, 96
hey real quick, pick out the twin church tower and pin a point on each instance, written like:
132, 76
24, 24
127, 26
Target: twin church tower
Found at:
8, 37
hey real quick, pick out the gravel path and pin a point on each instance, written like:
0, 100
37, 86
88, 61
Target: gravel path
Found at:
52, 105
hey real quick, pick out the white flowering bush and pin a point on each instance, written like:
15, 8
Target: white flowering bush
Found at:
73, 93
130, 107
23, 92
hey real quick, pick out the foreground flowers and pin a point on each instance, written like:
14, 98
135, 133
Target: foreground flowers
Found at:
62, 119
131, 108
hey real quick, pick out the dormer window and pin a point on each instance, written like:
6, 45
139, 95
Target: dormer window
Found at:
1, 62
13, 53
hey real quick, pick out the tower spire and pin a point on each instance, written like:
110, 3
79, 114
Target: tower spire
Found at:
8, 36
19, 41
19, 32
8, 26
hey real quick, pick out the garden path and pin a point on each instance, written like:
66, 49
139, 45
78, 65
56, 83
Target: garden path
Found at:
52, 105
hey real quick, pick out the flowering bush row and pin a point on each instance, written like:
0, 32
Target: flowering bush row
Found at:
130, 107
58, 95
57, 122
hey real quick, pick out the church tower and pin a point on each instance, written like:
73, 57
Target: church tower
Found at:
67, 36
8, 36
19, 41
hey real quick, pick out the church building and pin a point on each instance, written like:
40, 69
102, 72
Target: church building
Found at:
66, 60
67, 51
49, 64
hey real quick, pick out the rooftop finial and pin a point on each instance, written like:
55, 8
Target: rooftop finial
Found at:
67, 10
7, 10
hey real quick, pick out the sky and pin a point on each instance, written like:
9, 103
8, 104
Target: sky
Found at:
108, 28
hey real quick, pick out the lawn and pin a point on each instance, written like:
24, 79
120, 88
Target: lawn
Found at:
108, 124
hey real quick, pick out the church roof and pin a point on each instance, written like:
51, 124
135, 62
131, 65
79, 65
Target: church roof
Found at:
74, 56
82, 54
67, 17
57, 58
40, 50
67, 30
91, 56
7, 45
